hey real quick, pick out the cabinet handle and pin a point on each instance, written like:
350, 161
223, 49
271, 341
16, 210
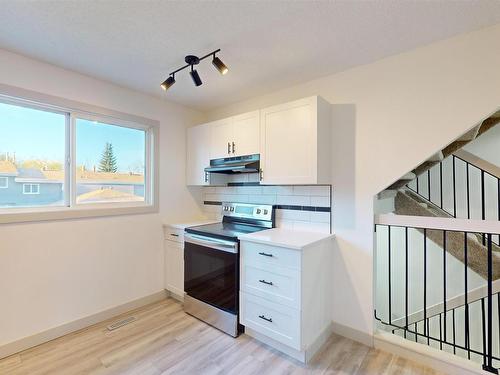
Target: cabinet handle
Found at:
263, 317
228, 147
266, 254
266, 282
261, 174
233, 148
174, 235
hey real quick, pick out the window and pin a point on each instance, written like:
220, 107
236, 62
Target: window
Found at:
32, 151
31, 188
110, 163
71, 161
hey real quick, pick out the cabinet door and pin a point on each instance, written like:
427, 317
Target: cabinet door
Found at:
198, 155
289, 143
246, 134
174, 267
221, 136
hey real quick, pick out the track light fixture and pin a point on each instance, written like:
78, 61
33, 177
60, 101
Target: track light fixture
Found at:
168, 82
191, 61
219, 65
196, 77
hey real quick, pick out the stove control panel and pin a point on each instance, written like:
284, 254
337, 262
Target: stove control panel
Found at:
248, 210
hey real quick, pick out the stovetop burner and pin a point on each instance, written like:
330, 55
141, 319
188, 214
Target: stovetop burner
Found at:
238, 218
229, 231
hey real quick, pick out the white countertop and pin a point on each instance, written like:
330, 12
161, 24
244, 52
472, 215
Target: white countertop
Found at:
286, 238
190, 223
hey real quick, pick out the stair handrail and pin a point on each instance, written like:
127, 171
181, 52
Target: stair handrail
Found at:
470, 160
473, 295
440, 223
478, 162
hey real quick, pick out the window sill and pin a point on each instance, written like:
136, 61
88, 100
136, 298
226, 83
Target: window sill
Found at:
24, 215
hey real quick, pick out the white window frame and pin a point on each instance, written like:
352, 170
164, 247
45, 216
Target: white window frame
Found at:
75, 110
6, 185
148, 138
30, 192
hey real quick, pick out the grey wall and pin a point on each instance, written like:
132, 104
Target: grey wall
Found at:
13, 195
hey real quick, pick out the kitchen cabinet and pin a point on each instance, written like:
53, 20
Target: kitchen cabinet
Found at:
235, 136
221, 136
174, 261
295, 142
285, 291
198, 155
246, 133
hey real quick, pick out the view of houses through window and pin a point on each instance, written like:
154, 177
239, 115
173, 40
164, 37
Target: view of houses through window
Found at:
110, 159
110, 163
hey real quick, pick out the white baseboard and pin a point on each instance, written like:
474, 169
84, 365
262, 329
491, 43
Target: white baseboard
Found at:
353, 334
294, 353
315, 347
175, 294
436, 359
303, 356
53, 333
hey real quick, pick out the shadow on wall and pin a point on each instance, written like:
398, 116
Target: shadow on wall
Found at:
343, 166
350, 308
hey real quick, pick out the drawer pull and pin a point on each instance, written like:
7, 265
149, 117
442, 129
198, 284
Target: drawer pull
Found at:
266, 282
266, 254
174, 235
270, 320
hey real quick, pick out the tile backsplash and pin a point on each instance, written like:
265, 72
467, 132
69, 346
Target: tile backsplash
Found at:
297, 207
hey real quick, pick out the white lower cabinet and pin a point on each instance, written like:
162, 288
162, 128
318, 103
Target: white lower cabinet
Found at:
276, 284
174, 261
285, 295
271, 319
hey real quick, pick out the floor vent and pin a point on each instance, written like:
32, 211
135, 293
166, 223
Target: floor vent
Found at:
121, 323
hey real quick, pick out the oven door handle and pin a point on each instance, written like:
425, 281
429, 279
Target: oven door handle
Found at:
227, 246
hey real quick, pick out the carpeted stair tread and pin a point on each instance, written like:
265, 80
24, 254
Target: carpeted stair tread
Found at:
487, 125
426, 165
452, 147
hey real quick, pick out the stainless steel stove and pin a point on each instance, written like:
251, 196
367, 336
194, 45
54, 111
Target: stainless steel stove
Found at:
211, 264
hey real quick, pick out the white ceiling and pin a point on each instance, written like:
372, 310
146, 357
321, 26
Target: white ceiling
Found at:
267, 45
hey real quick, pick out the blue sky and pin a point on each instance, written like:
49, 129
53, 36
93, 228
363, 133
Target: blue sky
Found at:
34, 134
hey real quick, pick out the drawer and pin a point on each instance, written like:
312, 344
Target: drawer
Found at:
174, 234
276, 284
255, 253
278, 322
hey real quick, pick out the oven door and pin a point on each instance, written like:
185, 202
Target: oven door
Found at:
211, 271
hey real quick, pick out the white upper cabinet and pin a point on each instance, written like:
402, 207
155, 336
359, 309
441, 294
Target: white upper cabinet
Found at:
198, 154
295, 142
221, 138
246, 136
235, 136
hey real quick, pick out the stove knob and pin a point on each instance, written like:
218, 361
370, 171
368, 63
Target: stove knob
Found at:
265, 212
231, 209
258, 211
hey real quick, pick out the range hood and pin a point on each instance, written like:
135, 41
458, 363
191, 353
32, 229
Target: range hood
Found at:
238, 164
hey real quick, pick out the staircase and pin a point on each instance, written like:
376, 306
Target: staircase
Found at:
430, 287
409, 203
458, 144
455, 184
438, 253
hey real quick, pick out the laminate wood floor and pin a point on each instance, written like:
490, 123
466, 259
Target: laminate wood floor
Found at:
165, 340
